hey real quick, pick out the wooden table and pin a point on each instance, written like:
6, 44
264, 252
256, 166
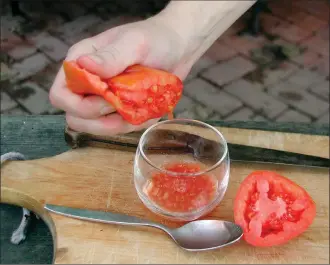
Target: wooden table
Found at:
43, 136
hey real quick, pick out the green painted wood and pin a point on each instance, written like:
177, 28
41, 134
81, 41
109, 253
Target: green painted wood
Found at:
34, 136
37, 249
43, 136
289, 127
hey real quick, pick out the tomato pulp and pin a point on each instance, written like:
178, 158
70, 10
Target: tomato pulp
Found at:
272, 209
181, 193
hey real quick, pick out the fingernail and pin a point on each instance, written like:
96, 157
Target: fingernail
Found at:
106, 110
96, 59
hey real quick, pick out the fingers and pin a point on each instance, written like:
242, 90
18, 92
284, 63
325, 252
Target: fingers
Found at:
110, 125
61, 97
126, 49
105, 55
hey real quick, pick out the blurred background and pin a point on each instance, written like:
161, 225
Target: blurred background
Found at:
271, 65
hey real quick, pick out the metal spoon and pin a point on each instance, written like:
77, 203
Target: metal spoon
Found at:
197, 235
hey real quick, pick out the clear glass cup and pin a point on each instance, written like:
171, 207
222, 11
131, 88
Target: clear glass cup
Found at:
181, 169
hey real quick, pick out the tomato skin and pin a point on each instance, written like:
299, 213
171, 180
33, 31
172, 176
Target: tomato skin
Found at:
301, 210
138, 94
82, 82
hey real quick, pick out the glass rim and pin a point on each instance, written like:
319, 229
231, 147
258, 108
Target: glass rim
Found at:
215, 165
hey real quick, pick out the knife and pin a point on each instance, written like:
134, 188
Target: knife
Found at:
237, 152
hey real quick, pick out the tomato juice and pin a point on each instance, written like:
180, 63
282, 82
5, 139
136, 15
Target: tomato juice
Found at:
181, 193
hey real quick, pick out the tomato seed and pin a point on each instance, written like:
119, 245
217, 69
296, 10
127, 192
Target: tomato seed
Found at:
251, 215
272, 215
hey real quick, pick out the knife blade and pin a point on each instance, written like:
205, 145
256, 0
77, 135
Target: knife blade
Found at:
237, 152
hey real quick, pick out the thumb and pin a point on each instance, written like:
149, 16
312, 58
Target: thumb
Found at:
115, 57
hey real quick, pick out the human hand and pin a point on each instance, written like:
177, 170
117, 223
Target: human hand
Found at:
150, 42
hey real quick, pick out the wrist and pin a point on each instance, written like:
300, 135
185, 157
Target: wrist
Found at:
200, 23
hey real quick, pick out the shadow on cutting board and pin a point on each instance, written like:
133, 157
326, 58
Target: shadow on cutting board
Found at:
36, 249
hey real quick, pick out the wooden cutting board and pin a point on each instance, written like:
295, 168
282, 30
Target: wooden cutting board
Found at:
101, 179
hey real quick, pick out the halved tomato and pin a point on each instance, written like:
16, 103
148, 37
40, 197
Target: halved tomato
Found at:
138, 94
272, 209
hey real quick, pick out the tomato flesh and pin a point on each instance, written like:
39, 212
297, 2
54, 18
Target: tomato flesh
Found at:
143, 88
181, 193
272, 209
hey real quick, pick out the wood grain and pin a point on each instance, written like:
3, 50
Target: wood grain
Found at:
101, 179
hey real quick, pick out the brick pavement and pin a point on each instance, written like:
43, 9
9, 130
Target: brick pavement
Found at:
280, 75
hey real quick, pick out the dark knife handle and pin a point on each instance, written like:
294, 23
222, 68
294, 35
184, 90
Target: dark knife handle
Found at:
238, 152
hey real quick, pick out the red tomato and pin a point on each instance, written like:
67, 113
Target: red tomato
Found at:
272, 209
138, 94
181, 193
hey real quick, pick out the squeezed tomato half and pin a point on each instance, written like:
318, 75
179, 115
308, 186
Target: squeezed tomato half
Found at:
181, 193
272, 209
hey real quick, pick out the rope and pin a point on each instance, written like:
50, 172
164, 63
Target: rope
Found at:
12, 156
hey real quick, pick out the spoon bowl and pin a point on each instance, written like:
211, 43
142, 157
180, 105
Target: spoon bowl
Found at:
206, 234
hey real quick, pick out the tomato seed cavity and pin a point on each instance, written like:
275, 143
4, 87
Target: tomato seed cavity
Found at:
267, 210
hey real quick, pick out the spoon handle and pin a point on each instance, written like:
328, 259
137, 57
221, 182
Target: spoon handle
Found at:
101, 217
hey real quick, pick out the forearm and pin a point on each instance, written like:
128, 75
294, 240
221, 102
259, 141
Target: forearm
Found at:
200, 23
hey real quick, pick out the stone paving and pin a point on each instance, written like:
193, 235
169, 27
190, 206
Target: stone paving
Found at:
281, 75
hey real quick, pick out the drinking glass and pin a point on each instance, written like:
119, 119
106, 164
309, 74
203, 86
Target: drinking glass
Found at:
181, 169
